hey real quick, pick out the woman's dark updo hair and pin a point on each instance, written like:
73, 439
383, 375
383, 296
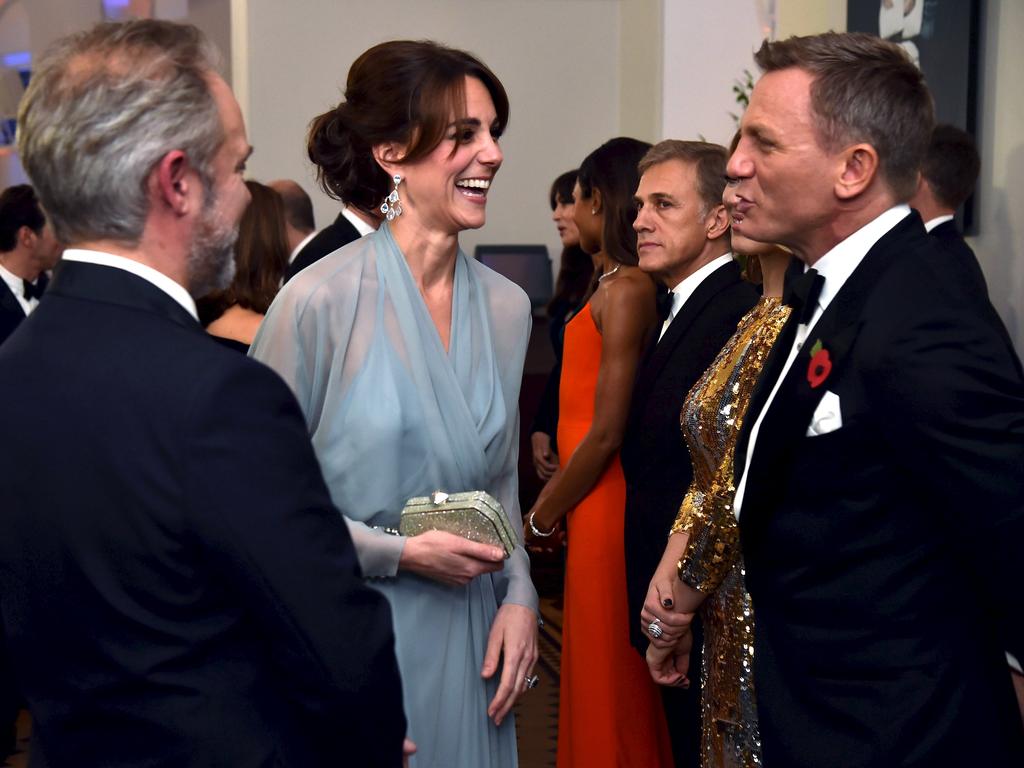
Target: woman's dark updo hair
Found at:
402, 91
612, 168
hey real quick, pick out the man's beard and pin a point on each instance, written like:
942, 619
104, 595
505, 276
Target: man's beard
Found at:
211, 259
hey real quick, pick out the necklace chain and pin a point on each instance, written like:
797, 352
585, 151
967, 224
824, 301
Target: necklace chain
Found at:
609, 273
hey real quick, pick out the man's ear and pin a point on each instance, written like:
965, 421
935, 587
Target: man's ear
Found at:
27, 237
716, 222
172, 181
859, 169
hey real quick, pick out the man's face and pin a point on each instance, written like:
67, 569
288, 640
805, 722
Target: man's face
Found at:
671, 227
212, 256
47, 249
784, 178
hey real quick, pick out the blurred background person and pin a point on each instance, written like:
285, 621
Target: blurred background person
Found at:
702, 567
28, 249
575, 274
609, 710
407, 358
261, 257
299, 222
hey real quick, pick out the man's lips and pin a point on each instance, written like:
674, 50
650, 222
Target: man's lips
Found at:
647, 244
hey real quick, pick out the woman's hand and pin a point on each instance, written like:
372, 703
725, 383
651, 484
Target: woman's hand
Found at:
544, 459
669, 601
448, 558
513, 639
668, 666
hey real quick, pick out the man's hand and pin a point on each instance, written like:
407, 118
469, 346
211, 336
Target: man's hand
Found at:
513, 639
544, 459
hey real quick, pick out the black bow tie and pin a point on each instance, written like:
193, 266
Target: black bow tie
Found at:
801, 293
664, 304
34, 290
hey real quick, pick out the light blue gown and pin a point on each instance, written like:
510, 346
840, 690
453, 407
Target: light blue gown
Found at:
393, 415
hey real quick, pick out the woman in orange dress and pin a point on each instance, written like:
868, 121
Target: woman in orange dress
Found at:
610, 712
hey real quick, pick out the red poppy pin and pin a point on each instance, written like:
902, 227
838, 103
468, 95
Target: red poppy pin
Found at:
820, 366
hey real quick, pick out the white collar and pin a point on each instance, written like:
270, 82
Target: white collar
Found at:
837, 265
682, 292
302, 244
15, 283
933, 223
147, 273
361, 226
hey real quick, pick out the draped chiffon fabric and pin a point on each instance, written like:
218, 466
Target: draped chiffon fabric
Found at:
610, 712
392, 415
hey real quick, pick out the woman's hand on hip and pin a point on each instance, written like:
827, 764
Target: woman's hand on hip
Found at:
448, 558
513, 639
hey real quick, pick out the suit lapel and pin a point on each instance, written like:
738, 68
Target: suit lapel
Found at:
94, 282
785, 424
9, 303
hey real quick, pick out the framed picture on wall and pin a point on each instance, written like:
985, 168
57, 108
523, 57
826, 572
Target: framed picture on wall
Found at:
942, 36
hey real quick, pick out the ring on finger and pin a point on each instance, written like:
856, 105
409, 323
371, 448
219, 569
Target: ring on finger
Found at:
532, 681
654, 629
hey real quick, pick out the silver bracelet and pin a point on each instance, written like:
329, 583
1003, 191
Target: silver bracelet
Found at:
534, 529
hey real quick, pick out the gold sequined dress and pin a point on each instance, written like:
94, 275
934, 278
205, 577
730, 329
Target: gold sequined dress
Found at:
711, 419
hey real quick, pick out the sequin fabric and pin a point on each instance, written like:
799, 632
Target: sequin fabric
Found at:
711, 419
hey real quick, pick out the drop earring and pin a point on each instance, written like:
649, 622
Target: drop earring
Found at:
392, 205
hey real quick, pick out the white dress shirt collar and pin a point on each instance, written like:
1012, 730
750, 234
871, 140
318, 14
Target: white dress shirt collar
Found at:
361, 226
933, 223
17, 286
147, 273
682, 292
302, 244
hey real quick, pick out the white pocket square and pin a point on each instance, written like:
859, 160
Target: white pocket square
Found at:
827, 416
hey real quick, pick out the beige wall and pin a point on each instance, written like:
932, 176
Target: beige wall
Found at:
558, 60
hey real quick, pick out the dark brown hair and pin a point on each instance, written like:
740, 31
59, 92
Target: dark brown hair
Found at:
575, 268
951, 165
864, 89
402, 91
19, 207
613, 168
708, 159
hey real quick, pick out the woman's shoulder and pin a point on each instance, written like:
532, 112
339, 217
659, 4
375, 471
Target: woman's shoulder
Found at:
334, 277
627, 283
501, 291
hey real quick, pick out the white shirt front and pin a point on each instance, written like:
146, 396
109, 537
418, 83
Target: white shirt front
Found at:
682, 292
147, 273
836, 266
17, 286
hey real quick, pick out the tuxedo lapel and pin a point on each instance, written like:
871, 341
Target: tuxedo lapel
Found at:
94, 282
9, 302
832, 337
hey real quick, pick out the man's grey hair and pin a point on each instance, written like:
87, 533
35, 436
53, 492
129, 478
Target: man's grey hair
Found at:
864, 89
102, 109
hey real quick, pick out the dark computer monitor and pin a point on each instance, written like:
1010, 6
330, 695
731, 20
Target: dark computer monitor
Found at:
528, 266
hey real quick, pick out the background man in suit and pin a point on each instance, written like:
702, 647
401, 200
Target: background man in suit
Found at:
176, 587
351, 224
948, 175
683, 242
880, 467
28, 249
299, 224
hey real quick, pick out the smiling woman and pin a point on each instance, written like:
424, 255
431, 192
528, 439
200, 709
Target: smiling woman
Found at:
407, 357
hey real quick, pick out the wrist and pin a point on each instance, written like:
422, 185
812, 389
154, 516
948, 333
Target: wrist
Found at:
536, 528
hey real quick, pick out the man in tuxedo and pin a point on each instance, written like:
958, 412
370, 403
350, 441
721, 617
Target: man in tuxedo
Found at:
880, 469
351, 224
948, 175
175, 584
299, 224
683, 242
28, 249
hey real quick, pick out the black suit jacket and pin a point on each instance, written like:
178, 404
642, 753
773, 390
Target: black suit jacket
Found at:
11, 313
177, 588
655, 459
965, 264
883, 557
327, 240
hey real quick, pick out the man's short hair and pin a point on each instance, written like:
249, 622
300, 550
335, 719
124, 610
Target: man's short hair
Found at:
951, 166
102, 108
19, 207
298, 208
708, 159
865, 89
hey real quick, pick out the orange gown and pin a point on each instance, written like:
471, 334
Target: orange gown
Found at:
610, 712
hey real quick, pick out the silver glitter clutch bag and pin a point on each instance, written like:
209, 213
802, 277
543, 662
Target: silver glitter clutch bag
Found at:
474, 515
